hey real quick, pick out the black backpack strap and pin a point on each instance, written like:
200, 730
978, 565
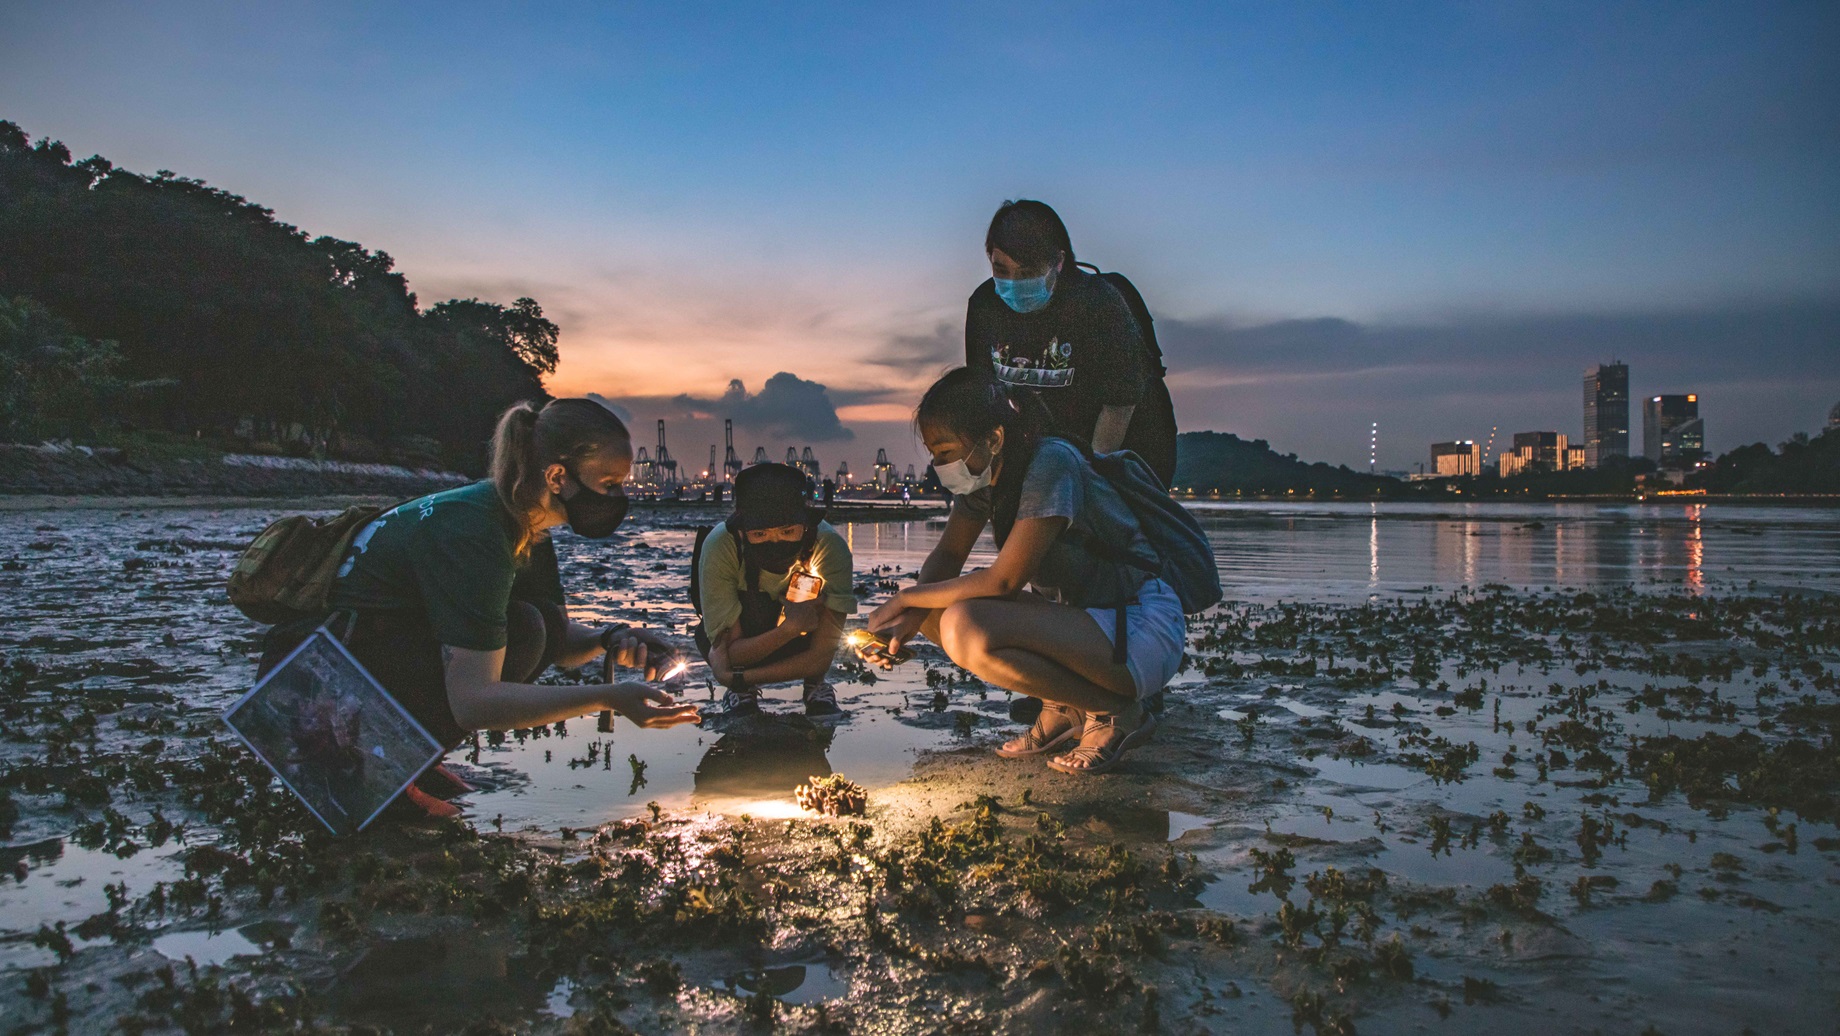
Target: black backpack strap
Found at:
1140, 311
696, 568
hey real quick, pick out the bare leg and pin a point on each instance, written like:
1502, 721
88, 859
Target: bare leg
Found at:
1053, 651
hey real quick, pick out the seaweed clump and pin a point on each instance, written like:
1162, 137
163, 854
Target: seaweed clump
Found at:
834, 795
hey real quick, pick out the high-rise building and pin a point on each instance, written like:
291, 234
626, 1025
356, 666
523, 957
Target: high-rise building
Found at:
1450, 459
1606, 413
1539, 451
1673, 435
1545, 450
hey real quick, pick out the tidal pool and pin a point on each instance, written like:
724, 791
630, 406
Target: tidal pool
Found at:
1471, 730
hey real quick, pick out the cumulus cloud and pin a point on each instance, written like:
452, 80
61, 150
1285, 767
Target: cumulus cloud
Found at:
787, 406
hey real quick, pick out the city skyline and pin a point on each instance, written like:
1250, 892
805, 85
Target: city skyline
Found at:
1430, 216
1673, 434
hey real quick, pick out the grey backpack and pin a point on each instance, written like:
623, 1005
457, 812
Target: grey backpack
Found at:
1185, 558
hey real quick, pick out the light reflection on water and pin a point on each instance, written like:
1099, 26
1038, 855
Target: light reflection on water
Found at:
1333, 552
1313, 552
169, 628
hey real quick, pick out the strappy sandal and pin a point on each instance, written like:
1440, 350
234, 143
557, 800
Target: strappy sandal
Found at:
1104, 742
1056, 724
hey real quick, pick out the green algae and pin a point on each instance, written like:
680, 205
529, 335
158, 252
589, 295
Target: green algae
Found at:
630, 911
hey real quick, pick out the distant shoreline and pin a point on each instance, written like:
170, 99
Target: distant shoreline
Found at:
841, 511
1781, 499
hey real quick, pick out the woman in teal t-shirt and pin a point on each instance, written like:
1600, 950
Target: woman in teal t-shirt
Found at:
458, 599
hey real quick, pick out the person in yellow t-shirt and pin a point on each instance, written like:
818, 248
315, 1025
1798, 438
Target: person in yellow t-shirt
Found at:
773, 585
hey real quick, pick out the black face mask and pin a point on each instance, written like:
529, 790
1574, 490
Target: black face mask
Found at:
594, 515
775, 556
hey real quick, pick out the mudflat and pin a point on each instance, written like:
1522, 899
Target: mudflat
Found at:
1554, 771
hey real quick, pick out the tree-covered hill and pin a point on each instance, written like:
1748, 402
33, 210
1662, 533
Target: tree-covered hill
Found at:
1803, 465
1207, 462
256, 328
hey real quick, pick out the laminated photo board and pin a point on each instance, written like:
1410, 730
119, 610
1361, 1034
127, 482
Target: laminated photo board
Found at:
332, 734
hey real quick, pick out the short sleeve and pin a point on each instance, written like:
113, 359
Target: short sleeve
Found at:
718, 580
831, 557
1115, 361
975, 505
1055, 486
464, 572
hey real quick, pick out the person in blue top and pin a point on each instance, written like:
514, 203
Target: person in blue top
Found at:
458, 600
1042, 619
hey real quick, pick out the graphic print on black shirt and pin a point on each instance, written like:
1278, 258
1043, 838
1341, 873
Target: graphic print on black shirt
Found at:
1052, 368
1080, 353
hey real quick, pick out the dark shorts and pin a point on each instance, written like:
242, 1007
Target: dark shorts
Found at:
399, 649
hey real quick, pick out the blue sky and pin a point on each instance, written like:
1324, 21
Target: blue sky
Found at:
1493, 194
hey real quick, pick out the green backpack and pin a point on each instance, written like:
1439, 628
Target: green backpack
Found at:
288, 571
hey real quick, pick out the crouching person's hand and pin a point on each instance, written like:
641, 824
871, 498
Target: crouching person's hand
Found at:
650, 707
905, 628
641, 649
803, 616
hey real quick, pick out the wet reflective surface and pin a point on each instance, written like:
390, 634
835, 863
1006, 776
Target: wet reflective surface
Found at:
1679, 914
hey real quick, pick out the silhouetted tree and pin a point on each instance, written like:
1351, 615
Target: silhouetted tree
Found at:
260, 325
53, 383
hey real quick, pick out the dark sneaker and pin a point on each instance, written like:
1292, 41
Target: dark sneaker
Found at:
822, 701
737, 704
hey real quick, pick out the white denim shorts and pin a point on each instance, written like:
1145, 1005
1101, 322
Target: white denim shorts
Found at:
1156, 633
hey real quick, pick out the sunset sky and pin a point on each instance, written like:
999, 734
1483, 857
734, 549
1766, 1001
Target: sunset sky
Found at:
1433, 216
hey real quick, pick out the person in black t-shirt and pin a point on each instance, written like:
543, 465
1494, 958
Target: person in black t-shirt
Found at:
1044, 324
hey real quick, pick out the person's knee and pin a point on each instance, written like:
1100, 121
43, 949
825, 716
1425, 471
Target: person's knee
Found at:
820, 664
718, 666
961, 635
929, 627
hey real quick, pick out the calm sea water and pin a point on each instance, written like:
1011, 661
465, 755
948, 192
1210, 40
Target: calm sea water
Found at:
1339, 552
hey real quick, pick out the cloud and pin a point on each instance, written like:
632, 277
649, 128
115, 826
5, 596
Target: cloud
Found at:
928, 353
1313, 386
787, 406
619, 411
1707, 344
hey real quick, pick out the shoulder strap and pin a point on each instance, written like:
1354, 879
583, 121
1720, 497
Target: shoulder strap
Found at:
1101, 548
750, 568
1140, 311
1104, 549
696, 568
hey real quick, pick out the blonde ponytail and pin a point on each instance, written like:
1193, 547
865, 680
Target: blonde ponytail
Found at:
528, 440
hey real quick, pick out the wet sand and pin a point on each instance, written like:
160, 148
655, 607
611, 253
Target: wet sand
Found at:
1607, 806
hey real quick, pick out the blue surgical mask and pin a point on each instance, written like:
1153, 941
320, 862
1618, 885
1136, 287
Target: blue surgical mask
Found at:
1027, 294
